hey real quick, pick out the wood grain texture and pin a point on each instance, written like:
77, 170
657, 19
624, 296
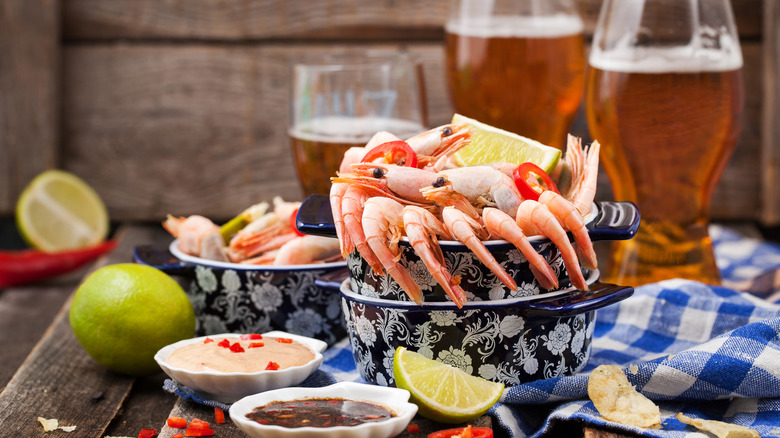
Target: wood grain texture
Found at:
292, 19
29, 99
770, 133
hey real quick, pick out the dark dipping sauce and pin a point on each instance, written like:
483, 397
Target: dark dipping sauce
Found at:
319, 412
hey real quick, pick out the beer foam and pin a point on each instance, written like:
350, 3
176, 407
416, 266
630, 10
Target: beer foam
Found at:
667, 60
353, 129
502, 26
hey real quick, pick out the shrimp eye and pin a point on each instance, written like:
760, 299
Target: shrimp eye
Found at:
446, 132
440, 182
379, 172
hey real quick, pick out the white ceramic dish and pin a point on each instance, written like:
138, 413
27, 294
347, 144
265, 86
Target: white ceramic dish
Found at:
229, 387
394, 399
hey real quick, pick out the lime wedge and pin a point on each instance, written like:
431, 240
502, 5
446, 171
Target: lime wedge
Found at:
442, 392
59, 211
493, 145
244, 218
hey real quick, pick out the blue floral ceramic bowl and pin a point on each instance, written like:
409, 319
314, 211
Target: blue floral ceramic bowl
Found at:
511, 341
237, 298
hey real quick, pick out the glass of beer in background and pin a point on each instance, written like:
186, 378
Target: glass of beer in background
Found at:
664, 97
517, 64
341, 100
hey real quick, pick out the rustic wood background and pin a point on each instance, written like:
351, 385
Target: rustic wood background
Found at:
170, 106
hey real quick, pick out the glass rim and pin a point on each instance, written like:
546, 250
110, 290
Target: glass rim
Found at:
353, 59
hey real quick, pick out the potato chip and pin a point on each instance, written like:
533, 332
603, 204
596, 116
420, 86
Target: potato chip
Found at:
618, 401
719, 428
48, 425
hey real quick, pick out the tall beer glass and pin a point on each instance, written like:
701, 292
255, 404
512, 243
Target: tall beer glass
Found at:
341, 100
664, 96
517, 64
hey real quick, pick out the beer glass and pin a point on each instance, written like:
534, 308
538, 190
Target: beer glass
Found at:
341, 100
517, 64
664, 96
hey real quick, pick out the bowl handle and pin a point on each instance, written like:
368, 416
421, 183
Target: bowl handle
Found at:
315, 217
599, 295
332, 280
614, 221
162, 259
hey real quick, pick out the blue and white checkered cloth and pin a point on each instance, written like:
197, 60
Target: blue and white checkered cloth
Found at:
709, 352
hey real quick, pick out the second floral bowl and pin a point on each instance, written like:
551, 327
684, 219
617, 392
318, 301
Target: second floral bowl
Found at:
511, 341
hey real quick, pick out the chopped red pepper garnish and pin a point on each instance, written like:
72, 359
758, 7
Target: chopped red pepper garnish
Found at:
272, 366
293, 224
208, 341
251, 337
531, 180
219, 415
256, 345
464, 432
236, 348
197, 423
224, 343
177, 422
177, 435
147, 433
191, 431
393, 152
29, 265
284, 340
413, 428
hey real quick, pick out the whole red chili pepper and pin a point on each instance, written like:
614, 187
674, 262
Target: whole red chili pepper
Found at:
29, 265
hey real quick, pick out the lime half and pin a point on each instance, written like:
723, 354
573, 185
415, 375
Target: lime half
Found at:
493, 145
59, 211
442, 392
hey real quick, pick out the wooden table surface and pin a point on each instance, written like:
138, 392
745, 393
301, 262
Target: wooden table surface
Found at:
44, 372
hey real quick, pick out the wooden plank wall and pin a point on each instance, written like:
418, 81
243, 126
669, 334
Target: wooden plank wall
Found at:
181, 106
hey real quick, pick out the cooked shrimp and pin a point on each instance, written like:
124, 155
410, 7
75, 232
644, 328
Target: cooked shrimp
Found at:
306, 249
352, 213
586, 187
535, 218
435, 146
475, 186
337, 191
398, 182
354, 155
422, 227
471, 233
190, 231
383, 227
504, 226
571, 220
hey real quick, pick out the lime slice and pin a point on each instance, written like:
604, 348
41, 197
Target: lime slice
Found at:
59, 211
244, 218
442, 392
493, 145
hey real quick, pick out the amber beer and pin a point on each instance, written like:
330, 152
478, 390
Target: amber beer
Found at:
667, 131
318, 146
522, 74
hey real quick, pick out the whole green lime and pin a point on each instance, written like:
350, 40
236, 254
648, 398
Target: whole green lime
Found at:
122, 314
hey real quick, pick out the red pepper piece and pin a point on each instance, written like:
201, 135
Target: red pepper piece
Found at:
531, 181
197, 423
208, 341
147, 433
393, 152
224, 343
464, 432
413, 428
29, 265
272, 366
236, 348
284, 340
176, 422
219, 415
256, 345
293, 225
177, 435
251, 337
191, 431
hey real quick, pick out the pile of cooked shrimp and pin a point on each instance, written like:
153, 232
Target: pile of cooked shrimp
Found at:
266, 237
392, 188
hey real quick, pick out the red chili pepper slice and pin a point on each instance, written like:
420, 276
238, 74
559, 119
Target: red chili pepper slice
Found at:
272, 366
236, 348
413, 428
208, 341
177, 435
197, 423
190, 431
256, 345
224, 343
293, 218
251, 337
284, 340
393, 152
177, 422
29, 265
219, 415
531, 180
147, 433
464, 432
